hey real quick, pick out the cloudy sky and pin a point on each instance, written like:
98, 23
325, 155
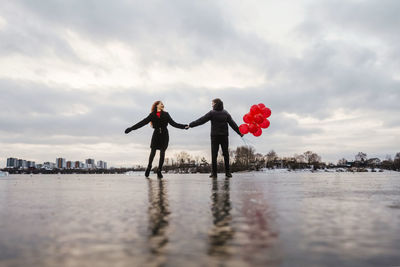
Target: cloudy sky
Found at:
74, 74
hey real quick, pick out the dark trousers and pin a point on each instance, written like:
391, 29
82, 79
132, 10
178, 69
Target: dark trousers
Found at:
151, 157
216, 141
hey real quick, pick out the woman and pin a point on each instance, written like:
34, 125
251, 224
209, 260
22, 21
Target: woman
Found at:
159, 120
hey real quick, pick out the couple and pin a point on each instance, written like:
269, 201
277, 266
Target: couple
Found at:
159, 120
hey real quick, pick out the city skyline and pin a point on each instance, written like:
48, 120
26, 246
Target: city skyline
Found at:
59, 163
73, 77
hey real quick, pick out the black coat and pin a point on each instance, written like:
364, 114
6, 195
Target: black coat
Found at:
219, 122
160, 136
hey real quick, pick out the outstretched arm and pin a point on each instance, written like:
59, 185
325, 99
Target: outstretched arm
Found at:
201, 121
175, 124
234, 125
139, 124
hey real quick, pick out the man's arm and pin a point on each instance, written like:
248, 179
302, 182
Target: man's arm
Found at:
201, 121
233, 125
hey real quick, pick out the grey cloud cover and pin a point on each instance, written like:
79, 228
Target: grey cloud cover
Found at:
345, 75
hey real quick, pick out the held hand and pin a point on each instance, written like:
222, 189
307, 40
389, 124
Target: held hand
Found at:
187, 127
128, 130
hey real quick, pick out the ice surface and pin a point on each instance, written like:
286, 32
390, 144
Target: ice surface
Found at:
253, 219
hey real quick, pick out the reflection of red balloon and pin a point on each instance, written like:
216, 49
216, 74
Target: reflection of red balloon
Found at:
254, 110
265, 124
266, 112
244, 128
248, 118
261, 105
258, 132
252, 127
258, 118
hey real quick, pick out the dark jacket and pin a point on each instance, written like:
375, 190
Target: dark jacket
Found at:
160, 136
219, 122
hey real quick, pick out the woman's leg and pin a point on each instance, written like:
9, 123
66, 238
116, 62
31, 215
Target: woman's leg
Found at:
161, 163
162, 157
151, 157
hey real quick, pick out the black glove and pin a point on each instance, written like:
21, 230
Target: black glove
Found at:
241, 135
128, 130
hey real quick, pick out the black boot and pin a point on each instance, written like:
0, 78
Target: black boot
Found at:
147, 172
159, 174
228, 175
213, 175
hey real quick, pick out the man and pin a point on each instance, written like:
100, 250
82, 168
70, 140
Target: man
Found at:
220, 119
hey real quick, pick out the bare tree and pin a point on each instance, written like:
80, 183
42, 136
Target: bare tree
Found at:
259, 160
361, 156
182, 157
300, 158
271, 156
388, 158
244, 155
315, 158
258, 156
342, 162
307, 156
204, 161
311, 157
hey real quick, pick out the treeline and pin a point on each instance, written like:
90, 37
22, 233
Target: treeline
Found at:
243, 158
361, 160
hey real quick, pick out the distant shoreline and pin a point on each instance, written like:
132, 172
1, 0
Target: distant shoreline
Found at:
263, 170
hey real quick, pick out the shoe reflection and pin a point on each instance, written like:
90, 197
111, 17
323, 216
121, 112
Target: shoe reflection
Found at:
158, 215
221, 231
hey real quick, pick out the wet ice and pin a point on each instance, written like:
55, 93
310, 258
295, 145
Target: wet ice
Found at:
253, 219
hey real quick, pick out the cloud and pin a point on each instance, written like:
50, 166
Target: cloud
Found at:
175, 33
75, 74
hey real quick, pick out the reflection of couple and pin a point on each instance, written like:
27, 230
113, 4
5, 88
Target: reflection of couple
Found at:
159, 120
159, 221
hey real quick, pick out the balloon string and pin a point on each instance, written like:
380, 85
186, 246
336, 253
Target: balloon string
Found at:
247, 142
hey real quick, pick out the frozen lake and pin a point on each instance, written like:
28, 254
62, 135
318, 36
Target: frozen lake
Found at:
253, 219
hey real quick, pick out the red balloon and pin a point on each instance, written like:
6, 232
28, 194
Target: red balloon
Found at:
265, 124
258, 132
258, 118
248, 118
252, 127
244, 128
261, 105
254, 110
266, 112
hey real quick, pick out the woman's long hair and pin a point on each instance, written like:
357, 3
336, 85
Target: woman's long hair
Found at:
154, 106
154, 109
